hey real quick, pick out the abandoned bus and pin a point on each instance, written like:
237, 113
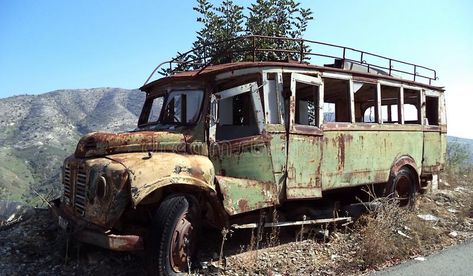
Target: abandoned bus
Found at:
217, 145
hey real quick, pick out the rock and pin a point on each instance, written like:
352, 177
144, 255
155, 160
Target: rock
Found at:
403, 234
460, 189
428, 217
13, 212
453, 234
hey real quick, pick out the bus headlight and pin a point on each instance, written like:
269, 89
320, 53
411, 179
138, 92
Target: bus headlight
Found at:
101, 189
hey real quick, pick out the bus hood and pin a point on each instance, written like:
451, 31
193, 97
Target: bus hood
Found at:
98, 144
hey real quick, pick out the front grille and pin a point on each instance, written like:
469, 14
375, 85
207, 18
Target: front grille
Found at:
75, 187
66, 181
79, 198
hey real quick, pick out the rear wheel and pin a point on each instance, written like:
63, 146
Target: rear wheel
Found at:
402, 187
171, 242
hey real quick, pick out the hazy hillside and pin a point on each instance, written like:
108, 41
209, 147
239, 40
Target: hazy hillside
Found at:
38, 132
463, 141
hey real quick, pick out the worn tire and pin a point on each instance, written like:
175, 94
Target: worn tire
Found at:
402, 187
175, 220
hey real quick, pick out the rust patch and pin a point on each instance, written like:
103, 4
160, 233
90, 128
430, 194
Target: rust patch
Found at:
402, 161
243, 205
101, 144
341, 152
236, 146
125, 242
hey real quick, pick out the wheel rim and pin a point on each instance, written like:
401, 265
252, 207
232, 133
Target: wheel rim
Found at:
402, 190
180, 243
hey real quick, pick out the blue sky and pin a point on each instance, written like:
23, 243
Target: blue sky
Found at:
51, 44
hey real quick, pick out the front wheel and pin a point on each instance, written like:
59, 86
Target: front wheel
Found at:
171, 242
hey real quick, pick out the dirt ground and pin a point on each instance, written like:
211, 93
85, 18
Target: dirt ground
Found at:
382, 238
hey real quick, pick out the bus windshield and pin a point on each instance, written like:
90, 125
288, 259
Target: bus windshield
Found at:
177, 107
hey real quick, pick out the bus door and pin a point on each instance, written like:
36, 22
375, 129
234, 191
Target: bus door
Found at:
432, 157
304, 137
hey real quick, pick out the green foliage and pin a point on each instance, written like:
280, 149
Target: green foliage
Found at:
458, 157
227, 21
219, 23
278, 18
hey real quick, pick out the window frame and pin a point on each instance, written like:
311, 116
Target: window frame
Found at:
309, 80
250, 87
349, 99
145, 113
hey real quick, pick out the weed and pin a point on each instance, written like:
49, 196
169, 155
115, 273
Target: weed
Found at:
390, 232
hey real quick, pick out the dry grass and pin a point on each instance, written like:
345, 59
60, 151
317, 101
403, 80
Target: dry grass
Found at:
385, 236
393, 233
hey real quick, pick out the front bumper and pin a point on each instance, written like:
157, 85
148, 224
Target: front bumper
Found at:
92, 234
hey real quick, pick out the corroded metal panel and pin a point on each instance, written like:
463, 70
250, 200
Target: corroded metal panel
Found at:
245, 195
278, 148
135, 175
304, 147
81, 181
100, 144
150, 172
248, 158
366, 156
245, 172
303, 167
432, 157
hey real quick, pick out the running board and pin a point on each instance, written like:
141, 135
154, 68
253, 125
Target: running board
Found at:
293, 223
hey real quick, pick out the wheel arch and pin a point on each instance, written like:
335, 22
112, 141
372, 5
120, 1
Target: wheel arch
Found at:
206, 197
405, 161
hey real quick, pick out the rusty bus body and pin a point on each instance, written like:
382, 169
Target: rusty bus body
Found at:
248, 136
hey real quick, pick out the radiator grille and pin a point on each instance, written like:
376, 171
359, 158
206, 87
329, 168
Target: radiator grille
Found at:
75, 187
79, 198
66, 181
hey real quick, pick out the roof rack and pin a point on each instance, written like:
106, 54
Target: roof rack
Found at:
269, 48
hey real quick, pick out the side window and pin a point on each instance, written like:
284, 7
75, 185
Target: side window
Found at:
366, 109
155, 109
307, 101
236, 111
432, 110
411, 106
237, 117
390, 108
369, 116
336, 107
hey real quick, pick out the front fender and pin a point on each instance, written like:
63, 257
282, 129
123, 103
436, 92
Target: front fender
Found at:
147, 173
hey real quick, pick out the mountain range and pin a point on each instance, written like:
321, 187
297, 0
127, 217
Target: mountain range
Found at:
38, 131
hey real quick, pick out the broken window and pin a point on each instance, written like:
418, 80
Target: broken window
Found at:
182, 106
156, 109
365, 101
390, 108
336, 107
175, 108
307, 102
411, 106
273, 99
432, 110
236, 113
369, 116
